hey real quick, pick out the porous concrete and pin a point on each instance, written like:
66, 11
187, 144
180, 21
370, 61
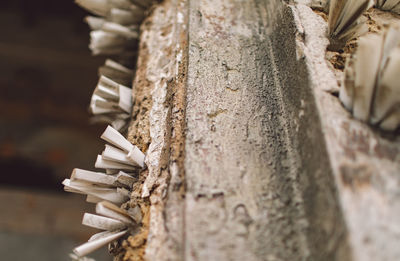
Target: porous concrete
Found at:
270, 166
259, 185
365, 161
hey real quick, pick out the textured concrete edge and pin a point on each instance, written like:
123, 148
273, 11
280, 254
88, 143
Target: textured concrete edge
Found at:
164, 50
364, 161
139, 134
304, 180
312, 115
326, 233
166, 235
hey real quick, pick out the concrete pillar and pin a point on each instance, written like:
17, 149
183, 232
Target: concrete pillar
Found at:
250, 156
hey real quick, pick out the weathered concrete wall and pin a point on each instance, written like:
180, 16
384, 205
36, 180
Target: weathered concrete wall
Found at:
326, 232
158, 127
250, 155
259, 184
365, 162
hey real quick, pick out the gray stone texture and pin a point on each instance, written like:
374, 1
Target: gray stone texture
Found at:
274, 168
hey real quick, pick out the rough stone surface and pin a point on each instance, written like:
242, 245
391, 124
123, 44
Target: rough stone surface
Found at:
256, 167
269, 165
164, 182
162, 74
365, 162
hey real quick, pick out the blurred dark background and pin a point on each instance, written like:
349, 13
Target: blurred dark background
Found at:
47, 76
